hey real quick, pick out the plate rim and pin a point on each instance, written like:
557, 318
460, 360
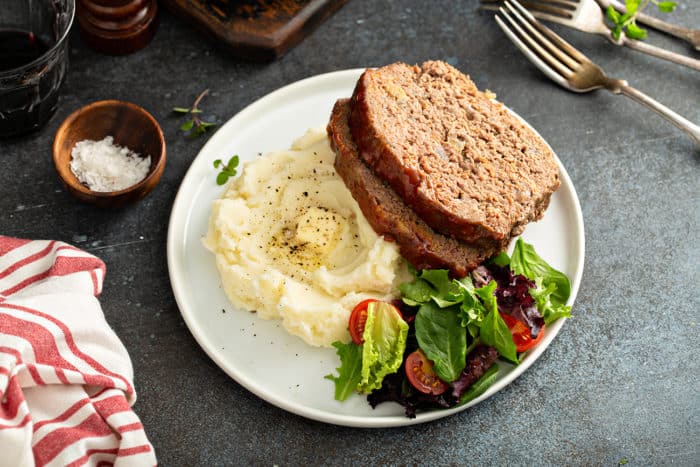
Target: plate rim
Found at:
177, 229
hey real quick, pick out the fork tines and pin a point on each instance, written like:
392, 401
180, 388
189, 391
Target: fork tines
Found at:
564, 9
549, 52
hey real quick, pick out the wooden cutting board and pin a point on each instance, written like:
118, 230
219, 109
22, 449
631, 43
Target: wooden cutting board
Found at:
259, 30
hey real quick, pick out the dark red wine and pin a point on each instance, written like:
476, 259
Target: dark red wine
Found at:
18, 48
28, 94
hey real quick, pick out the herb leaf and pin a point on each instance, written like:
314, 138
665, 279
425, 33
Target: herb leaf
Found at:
195, 125
635, 32
227, 171
666, 7
627, 22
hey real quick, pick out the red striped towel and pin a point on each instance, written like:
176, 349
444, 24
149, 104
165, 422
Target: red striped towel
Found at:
65, 378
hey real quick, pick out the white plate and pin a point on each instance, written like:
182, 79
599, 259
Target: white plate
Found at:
259, 354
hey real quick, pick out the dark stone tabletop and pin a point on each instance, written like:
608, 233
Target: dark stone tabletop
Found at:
618, 384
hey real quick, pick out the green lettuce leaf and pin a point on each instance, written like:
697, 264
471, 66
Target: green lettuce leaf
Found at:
471, 311
385, 341
349, 371
494, 331
543, 298
416, 292
443, 339
528, 263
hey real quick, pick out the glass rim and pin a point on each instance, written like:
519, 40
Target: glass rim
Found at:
50, 50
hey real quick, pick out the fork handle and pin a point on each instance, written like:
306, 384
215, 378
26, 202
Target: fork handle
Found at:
680, 59
621, 87
691, 36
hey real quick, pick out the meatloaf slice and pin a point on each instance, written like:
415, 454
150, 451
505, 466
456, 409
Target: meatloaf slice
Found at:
390, 216
461, 160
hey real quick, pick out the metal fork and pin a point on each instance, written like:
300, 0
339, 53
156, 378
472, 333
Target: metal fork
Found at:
569, 68
692, 36
587, 16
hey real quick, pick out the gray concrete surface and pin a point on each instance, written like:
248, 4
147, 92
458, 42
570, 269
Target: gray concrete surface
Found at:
620, 382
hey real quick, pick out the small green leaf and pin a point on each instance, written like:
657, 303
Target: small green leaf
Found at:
181, 110
217, 163
187, 126
635, 32
613, 15
195, 111
349, 372
631, 6
666, 7
196, 131
233, 162
502, 259
418, 291
205, 125
222, 178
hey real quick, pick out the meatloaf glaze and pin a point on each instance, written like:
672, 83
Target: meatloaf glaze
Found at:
466, 165
390, 216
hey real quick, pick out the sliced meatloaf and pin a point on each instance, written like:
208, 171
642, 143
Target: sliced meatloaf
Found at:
461, 160
390, 216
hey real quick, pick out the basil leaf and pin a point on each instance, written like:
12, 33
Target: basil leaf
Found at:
528, 263
494, 331
349, 371
443, 340
480, 385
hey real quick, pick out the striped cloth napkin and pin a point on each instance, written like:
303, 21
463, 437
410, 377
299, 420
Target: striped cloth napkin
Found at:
65, 378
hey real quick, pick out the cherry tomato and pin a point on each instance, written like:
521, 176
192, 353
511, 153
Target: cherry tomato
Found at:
358, 319
420, 373
521, 333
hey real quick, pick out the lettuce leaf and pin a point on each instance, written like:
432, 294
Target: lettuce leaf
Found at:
385, 341
443, 340
527, 262
494, 331
349, 371
543, 297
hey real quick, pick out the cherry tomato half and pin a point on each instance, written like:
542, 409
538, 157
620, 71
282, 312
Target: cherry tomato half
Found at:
358, 319
420, 373
521, 333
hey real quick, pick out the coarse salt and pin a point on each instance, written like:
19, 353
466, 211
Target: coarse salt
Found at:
105, 166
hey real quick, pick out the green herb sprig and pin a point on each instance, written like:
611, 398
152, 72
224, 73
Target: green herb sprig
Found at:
227, 170
195, 125
626, 22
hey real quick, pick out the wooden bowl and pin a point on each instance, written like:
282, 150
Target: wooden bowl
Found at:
131, 127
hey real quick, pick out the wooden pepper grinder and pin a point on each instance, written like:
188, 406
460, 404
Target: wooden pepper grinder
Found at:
117, 27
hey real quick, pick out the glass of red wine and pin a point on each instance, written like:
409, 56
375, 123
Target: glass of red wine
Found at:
33, 61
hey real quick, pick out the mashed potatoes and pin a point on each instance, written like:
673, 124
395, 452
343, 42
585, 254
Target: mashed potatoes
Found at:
292, 244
